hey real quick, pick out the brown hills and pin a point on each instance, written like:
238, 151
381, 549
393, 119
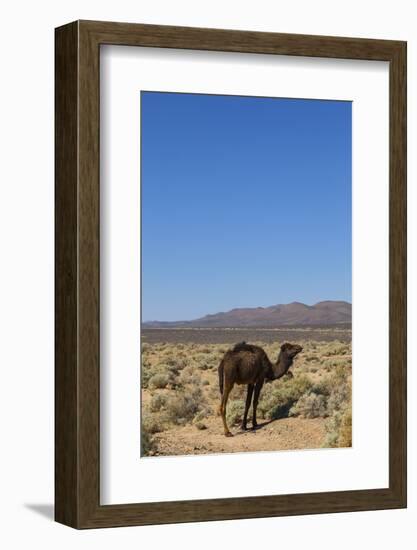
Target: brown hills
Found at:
323, 313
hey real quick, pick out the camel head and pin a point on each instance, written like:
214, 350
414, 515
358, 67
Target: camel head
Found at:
285, 359
291, 350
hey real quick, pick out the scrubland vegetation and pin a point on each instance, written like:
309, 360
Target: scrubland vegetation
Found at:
180, 395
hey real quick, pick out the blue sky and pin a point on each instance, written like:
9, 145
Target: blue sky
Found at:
246, 202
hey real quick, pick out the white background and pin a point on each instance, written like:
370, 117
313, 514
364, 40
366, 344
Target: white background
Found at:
124, 476
26, 290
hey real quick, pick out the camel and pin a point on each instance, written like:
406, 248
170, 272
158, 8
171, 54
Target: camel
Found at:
248, 364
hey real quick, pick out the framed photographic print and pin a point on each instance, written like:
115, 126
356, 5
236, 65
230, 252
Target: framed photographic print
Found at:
230, 274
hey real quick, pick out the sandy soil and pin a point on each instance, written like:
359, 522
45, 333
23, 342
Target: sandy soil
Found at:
283, 434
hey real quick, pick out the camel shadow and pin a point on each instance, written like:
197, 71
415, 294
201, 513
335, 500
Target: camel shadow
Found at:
258, 427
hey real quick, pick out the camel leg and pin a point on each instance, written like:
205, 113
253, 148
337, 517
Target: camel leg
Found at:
247, 405
257, 391
225, 396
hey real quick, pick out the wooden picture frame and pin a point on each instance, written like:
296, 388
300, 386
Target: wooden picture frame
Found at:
77, 374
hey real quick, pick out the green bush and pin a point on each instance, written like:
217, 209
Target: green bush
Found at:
159, 381
145, 374
326, 397
203, 413
340, 390
339, 429
339, 408
189, 376
171, 362
159, 376
147, 444
279, 397
323, 387
310, 405
337, 348
158, 402
339, 396
345, 429
205, 360
182, 406
152, 423
234, 411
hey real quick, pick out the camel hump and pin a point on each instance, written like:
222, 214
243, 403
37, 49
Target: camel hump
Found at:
243, 346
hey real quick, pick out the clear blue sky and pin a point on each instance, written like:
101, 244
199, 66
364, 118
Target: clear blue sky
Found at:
246, 202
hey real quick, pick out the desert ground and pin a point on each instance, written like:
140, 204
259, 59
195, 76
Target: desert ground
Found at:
180, 392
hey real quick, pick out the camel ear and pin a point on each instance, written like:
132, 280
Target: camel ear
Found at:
285, 346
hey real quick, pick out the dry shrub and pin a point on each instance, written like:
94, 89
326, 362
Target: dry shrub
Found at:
299, 396
277, 399
179, 407
200, 426
339, 429
147, 444
189, 376
345, 430
325, 397
159, 376
310, 405
340, 387
153, 423
339, 406
337, 348
205, 412
146, 374
158, 402
159, 381
205, 360
213, 391
234, 411
239, 391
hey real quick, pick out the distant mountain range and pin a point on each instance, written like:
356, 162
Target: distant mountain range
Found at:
296, 313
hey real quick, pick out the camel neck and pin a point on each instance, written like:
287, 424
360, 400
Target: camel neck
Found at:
282, 365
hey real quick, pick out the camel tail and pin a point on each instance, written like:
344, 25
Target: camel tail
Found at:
221, 376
